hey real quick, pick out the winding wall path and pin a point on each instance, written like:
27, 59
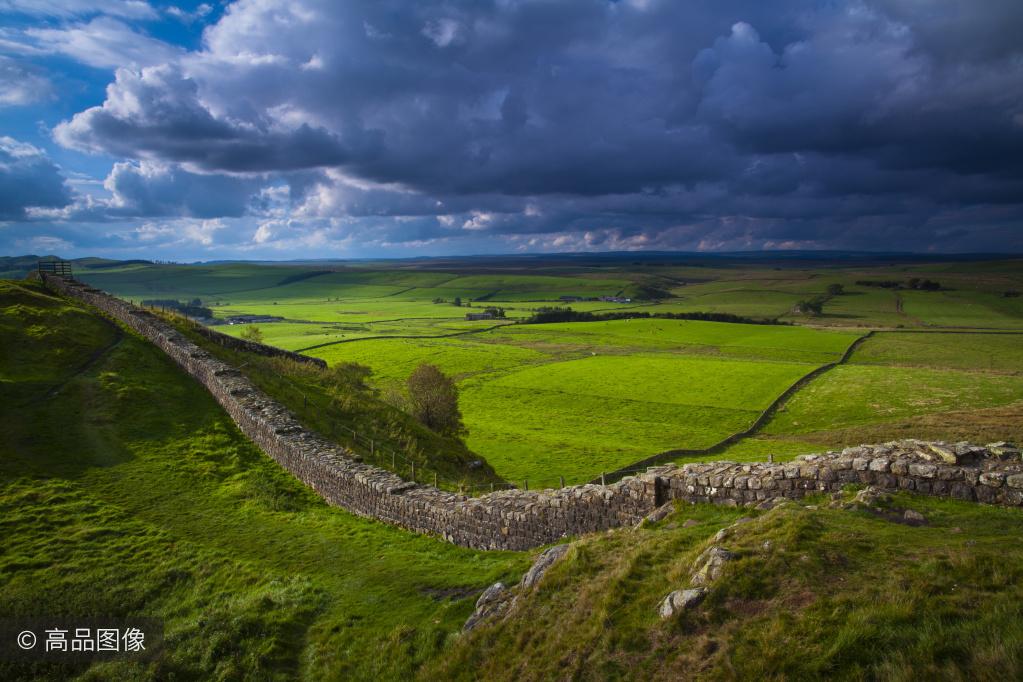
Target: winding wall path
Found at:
518, 519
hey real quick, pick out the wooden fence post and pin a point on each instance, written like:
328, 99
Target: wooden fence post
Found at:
561, 481
602, 481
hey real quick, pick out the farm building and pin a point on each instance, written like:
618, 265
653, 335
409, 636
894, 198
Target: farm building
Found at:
479, 316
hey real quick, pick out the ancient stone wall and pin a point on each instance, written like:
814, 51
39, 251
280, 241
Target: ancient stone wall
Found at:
518, 519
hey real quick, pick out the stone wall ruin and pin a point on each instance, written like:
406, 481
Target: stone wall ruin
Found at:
519, 519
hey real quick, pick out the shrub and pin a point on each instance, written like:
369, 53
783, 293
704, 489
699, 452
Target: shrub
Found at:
253, 334
433, 398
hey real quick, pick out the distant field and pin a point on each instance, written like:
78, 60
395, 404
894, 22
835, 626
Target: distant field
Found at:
572, 400
543, 401
393, 360
991, 352
739, 340
604, 412
860, 394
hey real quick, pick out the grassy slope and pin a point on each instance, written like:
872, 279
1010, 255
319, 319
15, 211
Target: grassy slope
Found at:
924, 385
129, 491
837, 595
335, 411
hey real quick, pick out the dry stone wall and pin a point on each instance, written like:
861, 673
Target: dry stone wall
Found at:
517, 519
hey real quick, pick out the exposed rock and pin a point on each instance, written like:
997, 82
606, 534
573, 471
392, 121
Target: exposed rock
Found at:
914, 517
871, 497
689, 523
542, 564
494, 601
708, 566
660, 513
680, 600
721, 535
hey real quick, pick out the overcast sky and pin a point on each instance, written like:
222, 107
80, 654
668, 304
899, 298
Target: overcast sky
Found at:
320, 128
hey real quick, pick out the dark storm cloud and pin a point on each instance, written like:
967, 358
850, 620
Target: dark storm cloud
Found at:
643, 123
157, 114
28, 179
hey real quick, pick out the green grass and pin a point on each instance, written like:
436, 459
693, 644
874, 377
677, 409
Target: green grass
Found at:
857, 394
985, 352
39, 321
534, 435
125, 490
680, 380
964, 308
129, 492
837, 595
393, 360
562, 422
540, 406
580, 417
757, 342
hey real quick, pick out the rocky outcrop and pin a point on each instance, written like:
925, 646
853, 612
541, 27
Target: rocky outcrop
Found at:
492, 604
708, 566
542, 565
496, 600
680, 600
519, 519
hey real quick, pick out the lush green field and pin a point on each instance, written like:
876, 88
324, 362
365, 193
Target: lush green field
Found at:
754, 342
539, 405
572, 400
985, 352
393, 360
125, 490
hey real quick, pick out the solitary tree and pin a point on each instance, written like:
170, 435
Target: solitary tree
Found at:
457, 301
433, 398
253, 334
835, 290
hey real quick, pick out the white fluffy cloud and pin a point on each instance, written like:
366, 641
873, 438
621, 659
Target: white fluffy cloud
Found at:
129, 9
21, 84
103, 42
